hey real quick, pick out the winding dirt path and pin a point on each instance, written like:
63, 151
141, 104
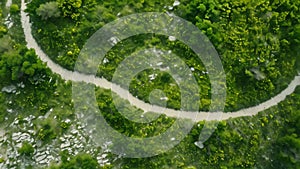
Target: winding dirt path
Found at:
77, 77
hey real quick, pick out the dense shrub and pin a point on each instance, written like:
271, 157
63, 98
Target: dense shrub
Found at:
14, 8
26, 149
48, 10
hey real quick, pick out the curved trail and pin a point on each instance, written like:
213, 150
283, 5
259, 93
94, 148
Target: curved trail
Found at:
8, 3
77, 77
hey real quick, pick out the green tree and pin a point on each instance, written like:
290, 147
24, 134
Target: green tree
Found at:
297, 33
26, 149
70, 8
21, 64
49, 130
48, 10
3, 29
14, 8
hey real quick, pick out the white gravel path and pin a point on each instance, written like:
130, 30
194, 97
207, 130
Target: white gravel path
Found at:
8, 3
77, 77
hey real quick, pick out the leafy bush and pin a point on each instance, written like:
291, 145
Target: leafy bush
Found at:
48, 10
80, 161
254, 41
49, 129
70, 8
26, 149
5, 43
21, 64
14, 8
3, 30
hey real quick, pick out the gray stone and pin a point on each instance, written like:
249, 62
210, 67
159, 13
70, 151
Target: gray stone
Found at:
9, 89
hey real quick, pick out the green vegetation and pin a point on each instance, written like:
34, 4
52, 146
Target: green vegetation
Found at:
20, 68
19, 64
48, 10
82, 161
26, 149
48, 130
258, 43
268, 140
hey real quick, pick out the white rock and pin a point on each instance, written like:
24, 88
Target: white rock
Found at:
172, 38
74, 131
19, 145
9, 110
199, 144
164, 98
105, 60
67, 121
176, 3
152, 76
64, 145
113, 40
104, 156
9, 89
15, 136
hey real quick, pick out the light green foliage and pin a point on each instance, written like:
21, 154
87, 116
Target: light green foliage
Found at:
20, 64
48, 130
74, 8
297, 33
3, 31
14, 8
48, 10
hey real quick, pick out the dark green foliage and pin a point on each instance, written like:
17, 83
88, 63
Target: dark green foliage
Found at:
250, 36
287, 145
5, 44
20, 67
21, 64
48, 129
80, 161
26, 149
142, 87
48, 10
74, 8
